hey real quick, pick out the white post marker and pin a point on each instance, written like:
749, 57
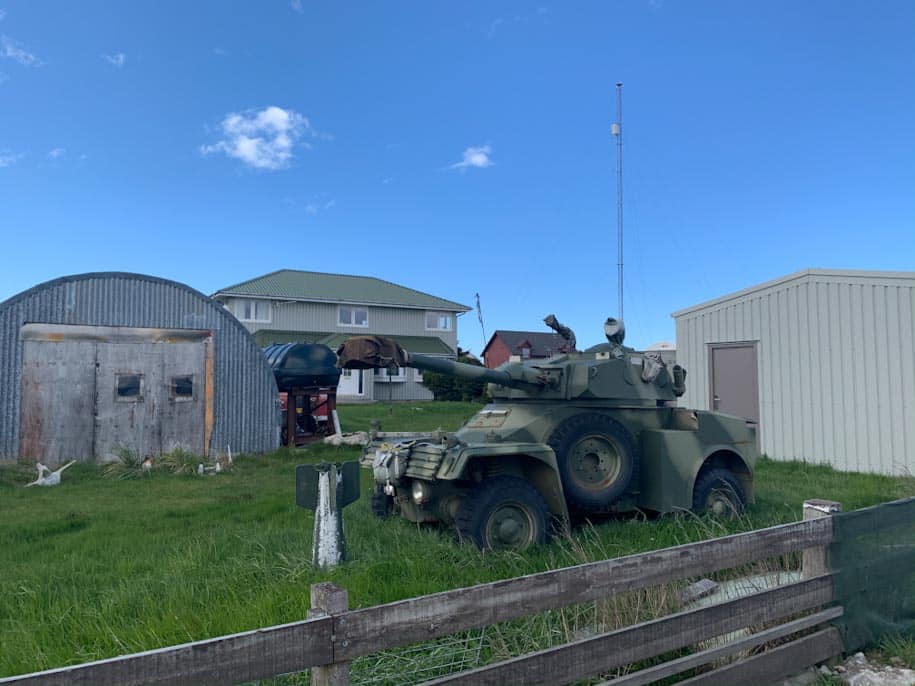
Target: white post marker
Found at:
336, 419
327, 550
326, 489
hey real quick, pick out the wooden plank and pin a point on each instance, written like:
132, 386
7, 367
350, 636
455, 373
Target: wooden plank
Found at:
814, 559
419, 619
679, 665
329, 599
776, 664
233, 659
589, 657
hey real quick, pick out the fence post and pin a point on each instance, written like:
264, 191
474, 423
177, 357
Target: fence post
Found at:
814, 560
329, 599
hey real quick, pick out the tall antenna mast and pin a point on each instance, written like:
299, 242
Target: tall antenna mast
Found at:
480, 317
617, 130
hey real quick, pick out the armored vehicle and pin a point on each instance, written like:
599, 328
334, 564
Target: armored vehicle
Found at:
577, 434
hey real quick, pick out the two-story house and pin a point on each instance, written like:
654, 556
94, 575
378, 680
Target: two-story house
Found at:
522, 345
289, 305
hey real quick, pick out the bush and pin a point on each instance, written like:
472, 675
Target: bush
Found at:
447, 387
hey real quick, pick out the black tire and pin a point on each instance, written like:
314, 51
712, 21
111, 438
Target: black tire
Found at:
503, 513
382, 503
718, 491
598, 460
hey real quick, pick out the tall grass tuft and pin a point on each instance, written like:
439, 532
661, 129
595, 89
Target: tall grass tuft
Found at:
902, 648
128, 465
180, 461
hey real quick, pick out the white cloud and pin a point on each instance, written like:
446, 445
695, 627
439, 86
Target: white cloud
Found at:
9, 49
263, 140
500, 23
56, 153
296, 6
8, 159
319, 205
475, 157
118, 59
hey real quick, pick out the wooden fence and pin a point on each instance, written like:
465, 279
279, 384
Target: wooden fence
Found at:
333, 635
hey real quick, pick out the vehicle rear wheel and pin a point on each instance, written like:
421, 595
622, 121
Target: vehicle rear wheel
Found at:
503, 513
598, 460
718, 491
382, 503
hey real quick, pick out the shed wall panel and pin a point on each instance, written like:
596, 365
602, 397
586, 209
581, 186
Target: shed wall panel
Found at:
836, 365
58, 392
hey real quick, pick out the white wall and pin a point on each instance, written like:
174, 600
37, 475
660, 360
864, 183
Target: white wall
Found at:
311, 316
836, 358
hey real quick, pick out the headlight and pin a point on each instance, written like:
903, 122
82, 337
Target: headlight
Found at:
420, 492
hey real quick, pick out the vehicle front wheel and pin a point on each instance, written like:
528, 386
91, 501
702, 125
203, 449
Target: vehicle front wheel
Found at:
719, 492
503, 513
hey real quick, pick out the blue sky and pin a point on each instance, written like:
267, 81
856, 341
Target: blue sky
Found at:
460, 148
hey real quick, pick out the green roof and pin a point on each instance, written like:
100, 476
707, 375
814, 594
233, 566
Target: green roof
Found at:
320, 287
426, 345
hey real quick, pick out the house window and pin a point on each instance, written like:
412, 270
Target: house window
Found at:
128, 388
525, 353
347, 373
390, 374
418, 375
182, 388
352, 316
438, 321
252, 310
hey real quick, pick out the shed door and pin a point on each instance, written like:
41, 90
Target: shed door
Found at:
58, 400
149, 398
734, 383
92, 391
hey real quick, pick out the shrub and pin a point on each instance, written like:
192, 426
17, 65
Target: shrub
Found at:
447, 387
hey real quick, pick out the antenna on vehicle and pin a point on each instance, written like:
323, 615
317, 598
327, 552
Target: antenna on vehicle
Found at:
617, 130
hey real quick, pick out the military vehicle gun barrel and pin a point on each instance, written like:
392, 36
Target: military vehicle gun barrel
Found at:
367, 352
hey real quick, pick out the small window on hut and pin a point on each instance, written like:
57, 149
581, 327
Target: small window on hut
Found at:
128, 388
182, 387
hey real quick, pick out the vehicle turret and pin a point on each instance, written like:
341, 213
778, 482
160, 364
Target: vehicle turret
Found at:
609, 374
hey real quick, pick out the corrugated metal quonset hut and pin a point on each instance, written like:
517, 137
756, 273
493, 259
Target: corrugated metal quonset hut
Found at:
823, 359
93, 364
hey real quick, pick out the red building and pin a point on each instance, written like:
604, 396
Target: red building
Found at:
523, 345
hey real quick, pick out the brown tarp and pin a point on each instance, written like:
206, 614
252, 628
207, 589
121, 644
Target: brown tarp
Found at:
370, 352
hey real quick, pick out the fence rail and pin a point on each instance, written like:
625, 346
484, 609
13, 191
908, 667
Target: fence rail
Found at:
327, 643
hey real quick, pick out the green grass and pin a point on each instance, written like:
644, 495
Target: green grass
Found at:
418, 416
98, 567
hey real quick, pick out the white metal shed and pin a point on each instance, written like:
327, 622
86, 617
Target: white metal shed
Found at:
824, 360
